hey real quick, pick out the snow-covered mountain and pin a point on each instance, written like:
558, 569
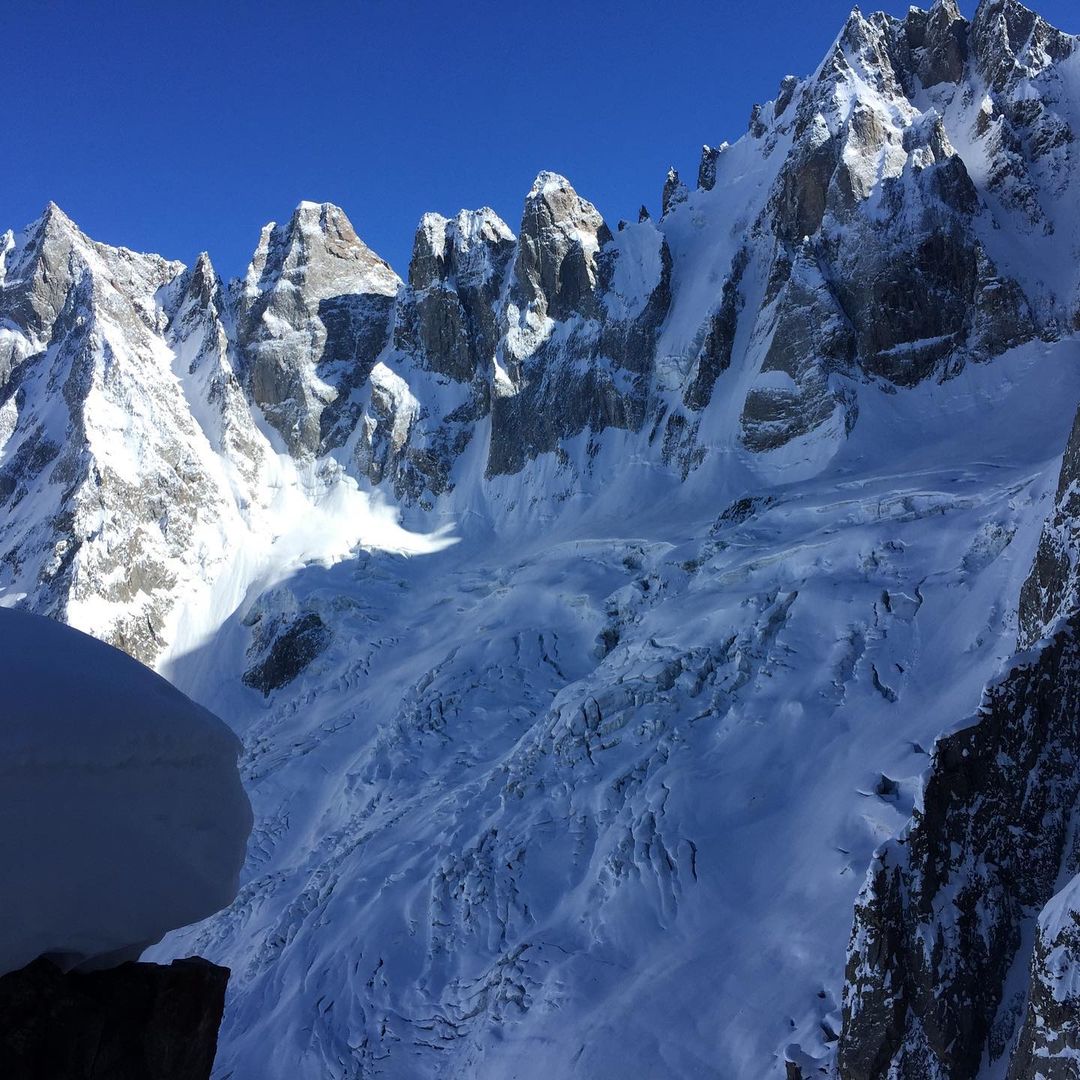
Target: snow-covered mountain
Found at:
589, 602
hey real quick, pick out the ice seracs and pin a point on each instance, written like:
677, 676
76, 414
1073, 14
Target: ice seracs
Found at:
745, 497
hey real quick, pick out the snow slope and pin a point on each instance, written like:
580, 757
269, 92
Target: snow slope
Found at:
629, 763
587, 604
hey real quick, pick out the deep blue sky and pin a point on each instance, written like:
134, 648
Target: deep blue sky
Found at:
183, 126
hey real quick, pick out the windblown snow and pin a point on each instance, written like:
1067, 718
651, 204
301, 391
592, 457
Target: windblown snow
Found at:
627, 763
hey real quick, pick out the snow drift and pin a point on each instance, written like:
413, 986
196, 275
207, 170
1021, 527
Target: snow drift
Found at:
121, 811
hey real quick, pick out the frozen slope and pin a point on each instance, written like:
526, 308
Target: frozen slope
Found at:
588, 599
596, 799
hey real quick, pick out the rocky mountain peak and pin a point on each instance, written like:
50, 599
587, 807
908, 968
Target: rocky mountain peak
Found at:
39, 271
53, 220
315, 302
7, 246
429, 254
675, 190
43, 268
470, 248
938, 43
317, 252
201, 286
1010, 41
865, 50
560, 237
710, 155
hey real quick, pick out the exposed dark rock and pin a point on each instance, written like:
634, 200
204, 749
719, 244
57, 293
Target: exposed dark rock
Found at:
706, 177
133, 1022
1048, 1047
448, 319
1009, 40
756, 127
938, 923
313, 313
788, 85
44, 278
938, 40
804, 186
674, 192
594, 373
714, 357
742, 510
1052, 589
811, 342
555, 269
290, 653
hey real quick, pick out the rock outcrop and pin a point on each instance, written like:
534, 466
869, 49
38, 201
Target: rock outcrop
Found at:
1048, 1046
312, 315
1052, 591
288, 651
940, 919
133, 1022
105, 477
947, 907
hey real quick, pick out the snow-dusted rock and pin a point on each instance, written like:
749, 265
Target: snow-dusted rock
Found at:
1052, 590
123, 814
939, 922
1048, 1047
107, 483
745, 497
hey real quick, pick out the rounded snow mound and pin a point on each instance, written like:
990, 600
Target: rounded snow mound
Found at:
122, 815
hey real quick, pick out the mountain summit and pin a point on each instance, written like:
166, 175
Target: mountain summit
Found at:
621, 620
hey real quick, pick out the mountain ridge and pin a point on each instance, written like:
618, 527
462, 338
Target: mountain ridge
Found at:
714, 523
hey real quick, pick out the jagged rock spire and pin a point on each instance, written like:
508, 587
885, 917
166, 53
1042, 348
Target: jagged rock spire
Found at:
315, 296
1010, 41
674, 192
560, 236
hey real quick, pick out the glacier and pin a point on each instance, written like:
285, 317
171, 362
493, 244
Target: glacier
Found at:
592, 602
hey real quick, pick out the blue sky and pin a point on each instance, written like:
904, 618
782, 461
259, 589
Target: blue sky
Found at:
178, 127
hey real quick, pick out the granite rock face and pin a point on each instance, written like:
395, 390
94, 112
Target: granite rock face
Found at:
576, 351
312, 315
500, 350
1048, 1046
888, 207
1052, 591
289, 651
134, 1022
446, 331
90, 392
939, 921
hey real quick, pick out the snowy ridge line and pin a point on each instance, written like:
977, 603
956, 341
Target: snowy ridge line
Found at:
743, 499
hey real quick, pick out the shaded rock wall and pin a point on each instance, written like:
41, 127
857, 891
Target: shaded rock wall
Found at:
133, 1022
939, 920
